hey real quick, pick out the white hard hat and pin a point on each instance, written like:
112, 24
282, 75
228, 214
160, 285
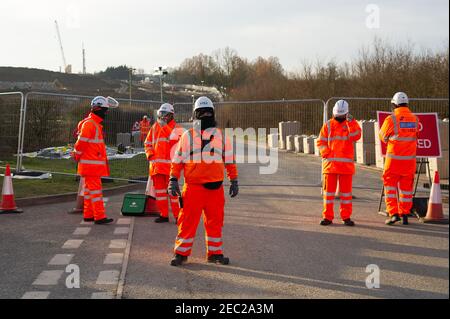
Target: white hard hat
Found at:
400, 98
340, 108
166, 107
107, 102
202, 103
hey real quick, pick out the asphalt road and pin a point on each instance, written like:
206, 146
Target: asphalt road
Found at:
271, 234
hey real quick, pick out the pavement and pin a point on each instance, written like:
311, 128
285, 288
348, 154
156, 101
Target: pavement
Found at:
271, 234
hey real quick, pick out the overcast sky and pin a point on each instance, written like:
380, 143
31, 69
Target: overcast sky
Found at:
146, 34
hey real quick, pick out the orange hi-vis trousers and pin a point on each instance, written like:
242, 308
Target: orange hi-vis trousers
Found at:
345, 192
93, 198
160, 182
197, 200
404, 185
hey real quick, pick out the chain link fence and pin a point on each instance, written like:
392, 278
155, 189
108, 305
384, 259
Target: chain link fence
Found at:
11, 108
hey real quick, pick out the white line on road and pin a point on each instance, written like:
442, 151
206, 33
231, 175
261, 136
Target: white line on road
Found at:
124, 221
118, 244
48, 278
113, 259
121, 231
61, 259
72, 244
123, 273
102, 295
36, 295
108, 277
82, 231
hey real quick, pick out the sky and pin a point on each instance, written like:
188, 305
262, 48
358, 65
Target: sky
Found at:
150, 33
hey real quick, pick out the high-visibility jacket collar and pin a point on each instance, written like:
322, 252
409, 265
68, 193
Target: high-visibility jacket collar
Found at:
96, 118
402, 109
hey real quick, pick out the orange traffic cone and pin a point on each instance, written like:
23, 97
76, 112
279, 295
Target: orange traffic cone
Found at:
8, 205
80, 199
150, 204
435, 213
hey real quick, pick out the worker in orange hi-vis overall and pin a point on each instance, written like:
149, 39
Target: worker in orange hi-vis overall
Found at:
160, 147
144, 127
90, 153
400, 131
336, 148
204, 154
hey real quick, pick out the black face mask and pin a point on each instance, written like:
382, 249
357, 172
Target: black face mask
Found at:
100, 112
340, 119
206, 121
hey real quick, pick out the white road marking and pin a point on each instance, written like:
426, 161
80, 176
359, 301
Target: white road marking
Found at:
124, 221
86, 223
82, 231
113, 259
102, 295
36, 295
108, 277
48, 278
118, 244
121, 231
61, 259
72, 244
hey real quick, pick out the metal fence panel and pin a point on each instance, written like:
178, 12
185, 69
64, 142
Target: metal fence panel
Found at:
50, 124
11, 108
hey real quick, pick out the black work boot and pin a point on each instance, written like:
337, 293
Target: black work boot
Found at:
349, 222
88, 220
395, 218
325, 222
178, 260
405, 220
218, 259
104, 221
161, 220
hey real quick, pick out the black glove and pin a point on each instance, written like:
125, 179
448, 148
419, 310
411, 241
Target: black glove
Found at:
349, 117
174, 187
234, 189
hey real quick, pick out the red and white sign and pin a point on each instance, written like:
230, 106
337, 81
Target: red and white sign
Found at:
429, 143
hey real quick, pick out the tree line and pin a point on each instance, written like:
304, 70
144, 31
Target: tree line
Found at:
379, 70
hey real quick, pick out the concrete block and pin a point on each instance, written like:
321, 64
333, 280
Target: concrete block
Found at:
316, 149
367, 132
286, 129
365, 153
308, 144
443, 133
290, 143
441, 165
298, 143
124, 138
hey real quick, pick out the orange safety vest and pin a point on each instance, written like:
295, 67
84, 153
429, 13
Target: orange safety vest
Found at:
91, 148
400, 131
160, 146
145, 127
335, 143
207, 164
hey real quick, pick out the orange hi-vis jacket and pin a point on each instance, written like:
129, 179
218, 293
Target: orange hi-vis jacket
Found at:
160, 146
400, 131
144, 126
91, 149
207, 164
336, 146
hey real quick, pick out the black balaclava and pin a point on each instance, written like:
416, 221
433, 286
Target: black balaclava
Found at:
340, 119
206, 121
100, 111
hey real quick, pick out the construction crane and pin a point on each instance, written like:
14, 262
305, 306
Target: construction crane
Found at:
67, 68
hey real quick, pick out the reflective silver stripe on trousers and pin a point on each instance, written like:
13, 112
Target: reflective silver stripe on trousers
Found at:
93, 162
390, 196
345, 194
87, 197
401, 158
330, 194
185, 241
214, 239
96, 192
183, 249
161, 161
406, 192
390, 188
159, 199
343, 160
346, 202
329, 201
97, 199
212, 248
406, 200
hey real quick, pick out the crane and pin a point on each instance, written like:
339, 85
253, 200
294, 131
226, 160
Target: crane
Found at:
67, 68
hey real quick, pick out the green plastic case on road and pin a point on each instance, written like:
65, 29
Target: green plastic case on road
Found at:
134, 205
